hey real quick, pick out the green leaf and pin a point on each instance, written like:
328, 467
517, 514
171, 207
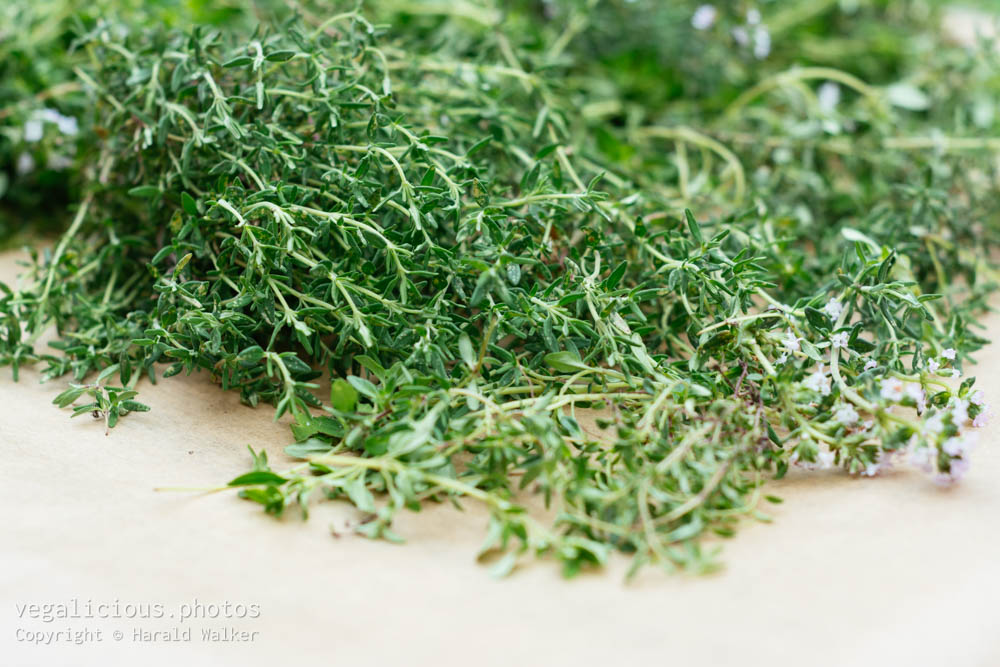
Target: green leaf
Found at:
311, 447
145, 191
854, 235
107, 372
504, 565
467, 351
251, 355
359, 494
693, 226
817, 318
279, 56
188, 204
570, 298
239, 61
181, 264
907, 96
372, 366
257, 477
343, 395
68, 396
862, 346
270, 497
479, 145
364, 387
565, 362
616, 276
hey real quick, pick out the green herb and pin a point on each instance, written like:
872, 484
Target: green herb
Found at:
483, 227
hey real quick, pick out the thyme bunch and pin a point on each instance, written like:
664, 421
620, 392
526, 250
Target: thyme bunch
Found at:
479, 230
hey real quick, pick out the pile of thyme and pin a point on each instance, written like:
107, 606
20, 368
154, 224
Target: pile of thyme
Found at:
743, 238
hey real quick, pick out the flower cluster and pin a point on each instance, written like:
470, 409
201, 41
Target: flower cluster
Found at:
34, 131
938, 441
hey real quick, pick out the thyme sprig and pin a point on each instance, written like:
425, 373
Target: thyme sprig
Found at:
480, 232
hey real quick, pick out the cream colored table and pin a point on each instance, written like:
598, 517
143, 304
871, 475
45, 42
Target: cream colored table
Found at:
884, 571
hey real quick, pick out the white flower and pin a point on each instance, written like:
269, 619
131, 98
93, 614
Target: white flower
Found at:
59, 161
916, 392
887, 459
66, 124
955, 373
868, 424
871, 470
953, 446
839, 339
892, 389
25, 163
959, 411
741, 36
870, 364
846, 414
959, 445
958, 469
761, 42
704, 17
979, 400
791, 342
782, 359
818, 382
933, 365
948, 353
828, 96
922, 457
33, 130
971, 440
833, 309
935, 424
825, 459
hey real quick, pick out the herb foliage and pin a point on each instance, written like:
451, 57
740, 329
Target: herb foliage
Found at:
481, 224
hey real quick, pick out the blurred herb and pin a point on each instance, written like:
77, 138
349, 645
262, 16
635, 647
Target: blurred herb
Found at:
489, 229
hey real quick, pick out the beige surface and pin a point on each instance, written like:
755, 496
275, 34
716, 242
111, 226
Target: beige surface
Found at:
887, 571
